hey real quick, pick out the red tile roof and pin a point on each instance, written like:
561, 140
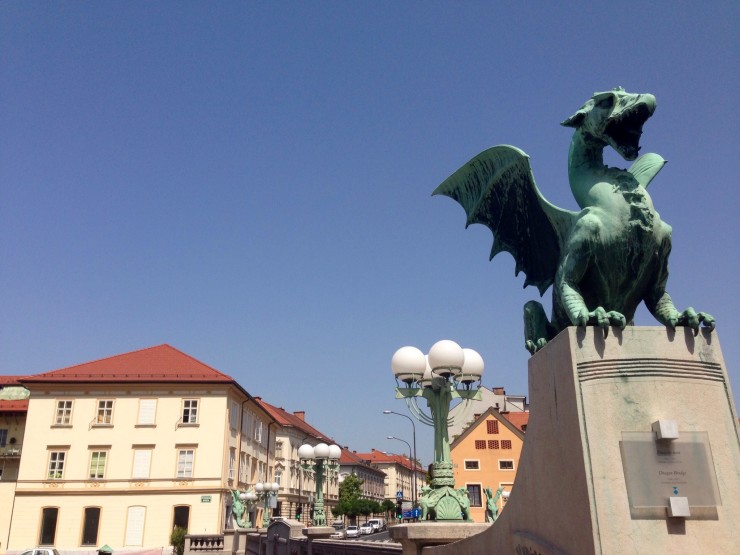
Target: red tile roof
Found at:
291, 420
14, 406
519, 419
155, 364
378, 457
10, 380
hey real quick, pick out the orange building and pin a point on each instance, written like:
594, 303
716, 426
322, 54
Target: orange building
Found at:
486, 455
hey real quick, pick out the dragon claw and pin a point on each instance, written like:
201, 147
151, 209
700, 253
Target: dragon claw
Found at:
694, 320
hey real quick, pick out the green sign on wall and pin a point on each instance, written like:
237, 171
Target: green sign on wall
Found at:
205, 498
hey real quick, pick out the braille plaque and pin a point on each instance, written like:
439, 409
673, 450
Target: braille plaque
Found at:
656, 470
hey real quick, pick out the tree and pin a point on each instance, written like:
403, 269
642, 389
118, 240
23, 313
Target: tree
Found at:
350, 488
388, 507
177, 540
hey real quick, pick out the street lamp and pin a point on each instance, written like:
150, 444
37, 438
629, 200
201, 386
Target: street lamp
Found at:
248, 499
413, 430
448, 372
319, 460
267, 491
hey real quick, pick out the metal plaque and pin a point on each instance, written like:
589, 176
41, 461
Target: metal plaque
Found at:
657, 470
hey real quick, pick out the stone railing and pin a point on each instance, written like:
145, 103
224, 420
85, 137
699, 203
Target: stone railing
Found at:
204, 543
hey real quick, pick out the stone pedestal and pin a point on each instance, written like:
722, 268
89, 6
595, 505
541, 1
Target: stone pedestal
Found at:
316, 533
570, 493
414, 537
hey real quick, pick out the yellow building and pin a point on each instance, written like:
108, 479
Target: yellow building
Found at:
120, 450
486, 455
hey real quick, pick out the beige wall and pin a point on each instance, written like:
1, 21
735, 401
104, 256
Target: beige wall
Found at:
212, 440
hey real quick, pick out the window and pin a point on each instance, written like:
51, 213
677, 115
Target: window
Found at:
97, 464
190, 411
245, 423
142, 461
105, 412
3, 437
135, 526
480, 444
278, 477
472, 465
474, 495
147, 412
505, 444
181, 516
64, 413
56, 464
185, 463
242, 467
493, 444
91, 523
492, 426
233, 414
258, 431
505, 465
48, 525
232, 462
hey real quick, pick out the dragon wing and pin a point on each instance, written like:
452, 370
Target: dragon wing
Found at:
497, 189
646, 167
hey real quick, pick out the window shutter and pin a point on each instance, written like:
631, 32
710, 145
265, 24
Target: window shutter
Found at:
142, 460
135, 526
147, 409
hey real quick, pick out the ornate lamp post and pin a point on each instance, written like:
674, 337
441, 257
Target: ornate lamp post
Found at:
319, 461
446, 373
248, 499
266, 491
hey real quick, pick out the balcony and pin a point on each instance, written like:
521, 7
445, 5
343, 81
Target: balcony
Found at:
10, 451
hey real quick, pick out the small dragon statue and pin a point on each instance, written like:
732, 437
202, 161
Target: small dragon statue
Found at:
602, 261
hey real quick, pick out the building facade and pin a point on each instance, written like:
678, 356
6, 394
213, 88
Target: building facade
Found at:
13, 411
486, 455
399, 471
373, 479
120, 450
297, 487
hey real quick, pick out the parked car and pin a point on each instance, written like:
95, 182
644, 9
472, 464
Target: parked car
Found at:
41, 551
352, 531
366, 529
340, 533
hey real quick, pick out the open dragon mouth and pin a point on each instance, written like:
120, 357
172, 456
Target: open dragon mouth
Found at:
623, 131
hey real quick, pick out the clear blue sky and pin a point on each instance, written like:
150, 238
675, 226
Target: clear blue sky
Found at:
250, 182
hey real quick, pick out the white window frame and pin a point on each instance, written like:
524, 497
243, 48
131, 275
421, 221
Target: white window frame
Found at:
98, 452
185, 467
475, 461
57, 460
105, 412
190, 408
513, 466
63, 414
232, 462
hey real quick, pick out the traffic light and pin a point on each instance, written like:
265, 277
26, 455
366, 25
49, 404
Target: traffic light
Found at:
298, 511
399, 510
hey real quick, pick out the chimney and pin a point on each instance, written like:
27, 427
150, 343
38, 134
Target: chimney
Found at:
499, 391
301, 414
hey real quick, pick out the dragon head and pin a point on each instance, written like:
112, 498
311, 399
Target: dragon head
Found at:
614, 118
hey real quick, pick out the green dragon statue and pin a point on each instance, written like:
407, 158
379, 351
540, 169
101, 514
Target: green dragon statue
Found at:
603, 260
